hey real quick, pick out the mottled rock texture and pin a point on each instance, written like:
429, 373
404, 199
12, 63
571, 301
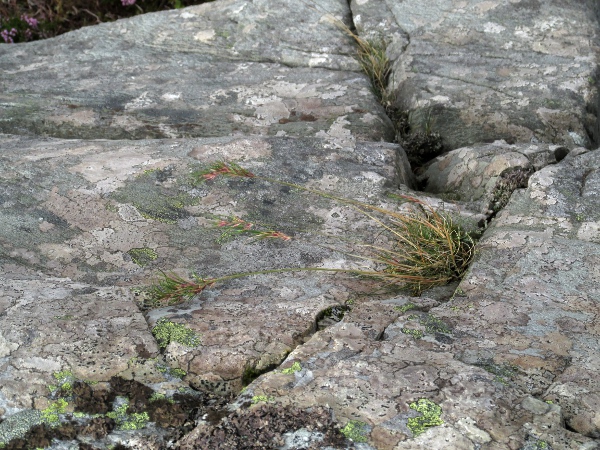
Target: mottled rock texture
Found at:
222, 68
531, 299
107, 130
482, 70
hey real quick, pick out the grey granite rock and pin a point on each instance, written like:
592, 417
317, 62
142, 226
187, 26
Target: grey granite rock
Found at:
530, 303
509, 362
378, 381
486, 175
207, 70
478, 71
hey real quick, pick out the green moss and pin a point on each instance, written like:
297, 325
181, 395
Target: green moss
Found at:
430, 416
166, 332
356, 431
417, 334
50, 414
142, 256
158, 396
296, 367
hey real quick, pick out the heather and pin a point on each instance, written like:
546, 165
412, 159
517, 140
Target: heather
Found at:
28, 20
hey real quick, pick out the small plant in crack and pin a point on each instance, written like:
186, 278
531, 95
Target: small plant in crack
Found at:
420, 145
427, 248
235, 226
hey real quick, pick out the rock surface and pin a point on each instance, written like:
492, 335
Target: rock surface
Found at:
477, 71
202, 71
508, 360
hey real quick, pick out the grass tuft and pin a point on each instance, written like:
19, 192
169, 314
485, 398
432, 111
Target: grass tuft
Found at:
428, 249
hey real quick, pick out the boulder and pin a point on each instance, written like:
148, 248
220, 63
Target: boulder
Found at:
486, 175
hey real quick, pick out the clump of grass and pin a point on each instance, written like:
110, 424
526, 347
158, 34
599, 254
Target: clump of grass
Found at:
427, 248
372, 57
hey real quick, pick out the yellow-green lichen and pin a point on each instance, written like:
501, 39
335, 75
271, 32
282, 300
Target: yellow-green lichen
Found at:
142, 256
158, 396
133, 421
50, 414
417, 334
406, 307
296, 367
430, 416
166, 332
356, 431
261, 398
64, 381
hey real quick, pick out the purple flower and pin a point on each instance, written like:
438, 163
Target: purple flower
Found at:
8, 35
127, 2
33, 23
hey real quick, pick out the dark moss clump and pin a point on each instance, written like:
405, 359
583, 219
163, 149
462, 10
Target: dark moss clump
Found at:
264, 426
421, 145
509, 180
331, 315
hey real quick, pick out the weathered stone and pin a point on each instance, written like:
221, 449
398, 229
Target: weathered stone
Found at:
530, 302
53, 324
377, 382
479, 174
478, 71
74, 210
207, 70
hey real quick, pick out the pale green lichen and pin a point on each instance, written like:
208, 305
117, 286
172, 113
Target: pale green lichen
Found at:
50, 415
166, 332
142, 256
296, 367
356, 431
17, 425
430, 416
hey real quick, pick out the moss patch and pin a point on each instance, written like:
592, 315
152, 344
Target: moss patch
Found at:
154, 200
430, 416
166, 332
